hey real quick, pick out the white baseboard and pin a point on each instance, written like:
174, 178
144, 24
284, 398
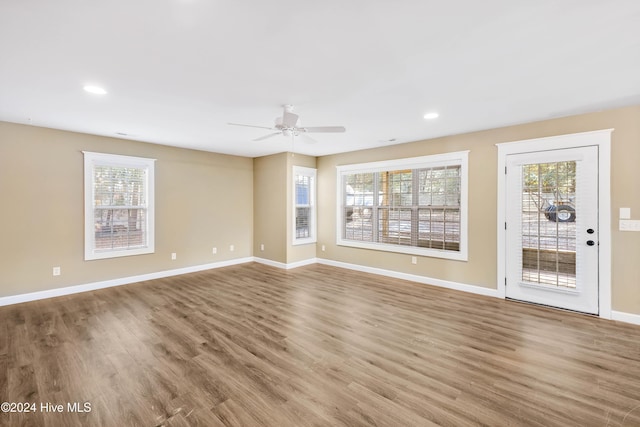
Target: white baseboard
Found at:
302, 263
51, 293
270, 262
625, 317
414, 278
283, 265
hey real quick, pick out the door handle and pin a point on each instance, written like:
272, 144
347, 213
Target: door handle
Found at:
590, 242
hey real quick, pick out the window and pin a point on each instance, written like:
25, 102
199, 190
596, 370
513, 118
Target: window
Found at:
118, 194
304, 190
416, 206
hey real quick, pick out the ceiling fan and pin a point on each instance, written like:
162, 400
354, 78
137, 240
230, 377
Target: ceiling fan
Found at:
288, 125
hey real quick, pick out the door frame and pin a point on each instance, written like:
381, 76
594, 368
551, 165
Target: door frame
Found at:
599, 138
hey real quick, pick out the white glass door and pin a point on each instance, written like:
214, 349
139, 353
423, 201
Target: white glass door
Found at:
551, 223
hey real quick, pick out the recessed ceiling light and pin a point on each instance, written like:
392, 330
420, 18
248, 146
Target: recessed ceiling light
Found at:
430, 116
97, 90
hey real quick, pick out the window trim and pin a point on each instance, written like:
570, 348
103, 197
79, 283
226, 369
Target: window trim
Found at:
92, 159
446, 159
313, 234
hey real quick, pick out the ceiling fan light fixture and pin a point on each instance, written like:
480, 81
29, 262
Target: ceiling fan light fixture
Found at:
289, 125
96, 90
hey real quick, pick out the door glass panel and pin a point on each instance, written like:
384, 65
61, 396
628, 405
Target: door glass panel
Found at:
548, 224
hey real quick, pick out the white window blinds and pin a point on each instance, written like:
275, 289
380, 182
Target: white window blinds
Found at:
304, 191
415, 205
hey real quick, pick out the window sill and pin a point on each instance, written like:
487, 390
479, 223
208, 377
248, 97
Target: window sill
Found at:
409, 250
308, 241
117, 254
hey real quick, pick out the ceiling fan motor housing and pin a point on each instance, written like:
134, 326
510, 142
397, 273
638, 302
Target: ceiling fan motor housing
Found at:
288, 125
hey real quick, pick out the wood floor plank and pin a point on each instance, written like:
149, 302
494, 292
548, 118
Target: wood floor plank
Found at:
232, 414
314, 346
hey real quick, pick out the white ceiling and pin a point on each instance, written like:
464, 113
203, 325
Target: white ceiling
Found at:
178, 70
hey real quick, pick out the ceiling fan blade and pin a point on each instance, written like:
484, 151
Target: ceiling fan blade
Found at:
308, 139
324, 129
289, 120
267, 136
249, 126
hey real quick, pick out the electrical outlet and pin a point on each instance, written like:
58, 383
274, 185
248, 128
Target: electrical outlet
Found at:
414, 260
56, 271
232, 248
323, 248
262, 246
625, 213
214, 251
173, 255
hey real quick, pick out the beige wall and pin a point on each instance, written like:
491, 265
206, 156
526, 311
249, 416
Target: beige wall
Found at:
481, 268
203, 200
270, 207
273, 208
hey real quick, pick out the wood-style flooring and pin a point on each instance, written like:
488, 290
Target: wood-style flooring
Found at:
252, 345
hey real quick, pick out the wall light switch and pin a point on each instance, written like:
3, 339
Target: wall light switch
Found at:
625, 213
629, 225
262, 246
414, 260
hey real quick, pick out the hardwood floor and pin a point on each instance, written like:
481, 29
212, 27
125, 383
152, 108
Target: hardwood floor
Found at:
252, 345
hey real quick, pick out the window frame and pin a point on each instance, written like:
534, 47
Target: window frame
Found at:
459, 158
312, 174
92, 160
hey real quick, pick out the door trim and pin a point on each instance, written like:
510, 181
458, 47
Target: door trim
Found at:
599, 138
